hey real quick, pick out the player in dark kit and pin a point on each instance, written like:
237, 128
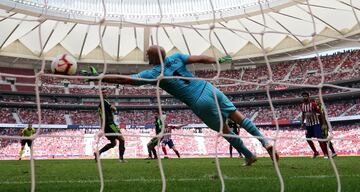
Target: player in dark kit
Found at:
311, 121
154, 141
236, 129
111, 127
26, 132
324, 126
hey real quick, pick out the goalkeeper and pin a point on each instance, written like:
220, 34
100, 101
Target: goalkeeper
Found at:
197, 94
26, 132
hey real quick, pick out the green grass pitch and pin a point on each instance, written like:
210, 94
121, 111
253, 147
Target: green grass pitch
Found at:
188, 174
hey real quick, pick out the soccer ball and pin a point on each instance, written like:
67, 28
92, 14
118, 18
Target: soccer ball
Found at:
64, 64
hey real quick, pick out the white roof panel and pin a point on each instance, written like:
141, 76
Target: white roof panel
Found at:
291, 18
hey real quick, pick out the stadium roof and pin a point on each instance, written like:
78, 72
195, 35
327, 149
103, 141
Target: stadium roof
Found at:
128, 27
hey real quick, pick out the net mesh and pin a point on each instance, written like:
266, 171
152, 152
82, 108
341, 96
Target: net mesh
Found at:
268, 84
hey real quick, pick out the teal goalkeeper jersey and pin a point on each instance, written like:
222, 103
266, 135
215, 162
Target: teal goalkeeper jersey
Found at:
187, 91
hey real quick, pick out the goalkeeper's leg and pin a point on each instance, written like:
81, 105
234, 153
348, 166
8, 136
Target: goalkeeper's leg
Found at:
238, 144
251, 128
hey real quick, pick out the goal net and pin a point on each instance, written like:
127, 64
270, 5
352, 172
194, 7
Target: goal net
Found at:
269, 44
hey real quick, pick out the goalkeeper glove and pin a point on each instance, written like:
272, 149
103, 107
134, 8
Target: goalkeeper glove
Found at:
92, 72
225, 59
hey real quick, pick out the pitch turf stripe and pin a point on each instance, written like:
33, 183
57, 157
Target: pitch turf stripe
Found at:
207, 178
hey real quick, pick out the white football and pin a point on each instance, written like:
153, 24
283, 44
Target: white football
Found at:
64, 64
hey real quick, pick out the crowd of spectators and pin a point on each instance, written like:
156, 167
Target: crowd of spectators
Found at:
6, 115
47, 116
338, 66
259, 114
80, 143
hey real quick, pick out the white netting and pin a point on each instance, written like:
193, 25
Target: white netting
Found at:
267, 84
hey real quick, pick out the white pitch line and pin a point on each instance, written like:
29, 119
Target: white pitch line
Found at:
205, 178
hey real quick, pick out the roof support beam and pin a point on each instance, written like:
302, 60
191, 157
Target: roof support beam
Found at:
186, 43
48, 38
84, 41
259, 23
12, 31
42, 21
291, 16
222, 45
318, 18
168, 36
146, 41
67, 34
350, 5
118, 44
237, 34
103, 32
252, 35
199, 33
136, 40
286, 29
7, 17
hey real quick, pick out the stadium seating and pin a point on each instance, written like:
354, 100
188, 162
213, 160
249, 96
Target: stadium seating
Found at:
142, 117
79, 143
342, 65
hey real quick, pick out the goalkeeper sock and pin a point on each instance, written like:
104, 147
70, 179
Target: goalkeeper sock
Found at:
21, 153
121, 149
238, 144
250, 127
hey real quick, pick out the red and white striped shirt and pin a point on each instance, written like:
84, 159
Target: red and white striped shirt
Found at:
309, 111
167, 130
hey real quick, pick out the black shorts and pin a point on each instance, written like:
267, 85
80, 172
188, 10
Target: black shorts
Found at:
153, 142
24, 141
112, 128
